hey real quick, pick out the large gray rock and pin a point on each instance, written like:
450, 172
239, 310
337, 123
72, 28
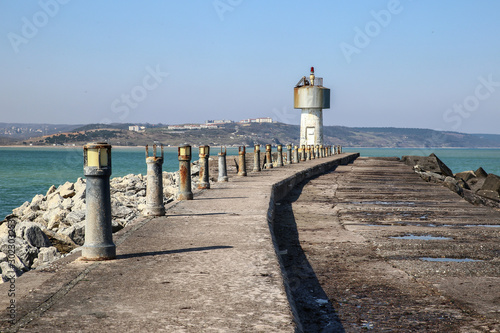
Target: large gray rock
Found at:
23, 250
476, 184
55, 217
32, 233
491, 187
35, 237
480, 173
430, 163
493, 195
76, 232
54, 201
75, 216
492, 183
51, 190
465, 175
45, 256
452, 184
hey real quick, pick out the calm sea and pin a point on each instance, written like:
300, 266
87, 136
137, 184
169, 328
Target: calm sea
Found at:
27, 171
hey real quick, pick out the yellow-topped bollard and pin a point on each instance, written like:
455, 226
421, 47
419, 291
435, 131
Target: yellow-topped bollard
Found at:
98, 232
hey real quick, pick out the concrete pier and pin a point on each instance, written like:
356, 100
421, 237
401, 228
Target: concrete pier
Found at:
210, 264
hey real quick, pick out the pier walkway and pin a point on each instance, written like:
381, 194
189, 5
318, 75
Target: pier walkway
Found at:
209, 265
373, 247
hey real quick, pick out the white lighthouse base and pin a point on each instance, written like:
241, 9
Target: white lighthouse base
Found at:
311, 127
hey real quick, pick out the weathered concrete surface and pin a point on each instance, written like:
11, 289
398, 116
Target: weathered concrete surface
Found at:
348, 274
209, 265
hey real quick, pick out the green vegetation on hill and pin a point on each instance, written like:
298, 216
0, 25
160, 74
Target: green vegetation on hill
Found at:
276, 133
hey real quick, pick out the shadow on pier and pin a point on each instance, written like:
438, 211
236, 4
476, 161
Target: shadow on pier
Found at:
159, 253
311, 307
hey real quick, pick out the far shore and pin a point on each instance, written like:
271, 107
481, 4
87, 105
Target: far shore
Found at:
142, 147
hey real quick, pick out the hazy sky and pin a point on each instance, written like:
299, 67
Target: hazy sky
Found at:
427, 64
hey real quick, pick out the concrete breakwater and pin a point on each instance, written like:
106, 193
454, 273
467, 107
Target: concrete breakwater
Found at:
52, 225
373, 247
209, 264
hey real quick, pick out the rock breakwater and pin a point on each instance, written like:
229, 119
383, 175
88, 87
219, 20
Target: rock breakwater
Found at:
52, 225
477, 187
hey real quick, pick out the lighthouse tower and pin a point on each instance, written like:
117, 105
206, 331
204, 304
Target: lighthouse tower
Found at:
312, 98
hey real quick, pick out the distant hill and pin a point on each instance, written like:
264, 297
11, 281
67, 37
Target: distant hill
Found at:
235, 134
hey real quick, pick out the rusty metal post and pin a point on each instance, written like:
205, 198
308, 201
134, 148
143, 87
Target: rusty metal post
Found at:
222, 166
154, 187
321, 151
269, 157
98, 233
242, 167
303, 153
295, 154
289, 159
308, 152
340, 149
279, 162
184, 155
204, 154
256, 158
313, 152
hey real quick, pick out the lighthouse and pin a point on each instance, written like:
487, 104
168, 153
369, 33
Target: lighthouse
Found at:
312, 98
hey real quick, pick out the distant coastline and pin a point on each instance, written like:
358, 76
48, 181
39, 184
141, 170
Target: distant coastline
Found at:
248, 134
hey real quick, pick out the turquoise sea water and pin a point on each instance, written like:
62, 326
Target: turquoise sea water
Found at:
27, 171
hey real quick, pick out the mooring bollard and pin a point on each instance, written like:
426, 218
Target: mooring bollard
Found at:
303, 153
321, 151
184, 155
295, 154
204, 154
256, 158
242, 168
308, 151
154, 187
289, 154
222, 166
340, 149
269, 157
98, 233
279, 162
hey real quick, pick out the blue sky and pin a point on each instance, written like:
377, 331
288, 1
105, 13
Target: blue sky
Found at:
425, 64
